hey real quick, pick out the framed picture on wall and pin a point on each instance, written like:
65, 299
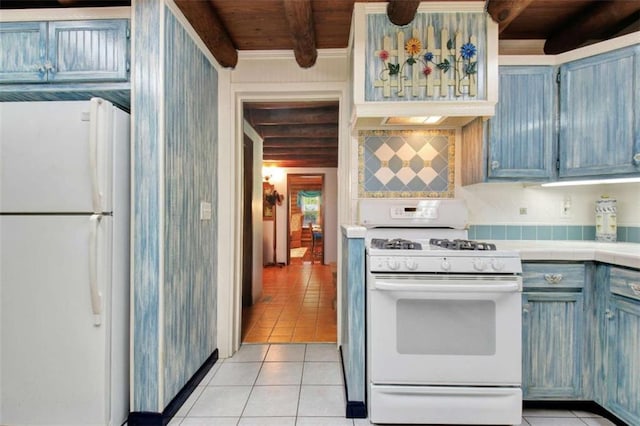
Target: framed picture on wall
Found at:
267, 207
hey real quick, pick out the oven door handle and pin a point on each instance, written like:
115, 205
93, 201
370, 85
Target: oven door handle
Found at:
510, 287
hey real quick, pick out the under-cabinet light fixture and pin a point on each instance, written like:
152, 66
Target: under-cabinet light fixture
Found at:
591, 182
432, 119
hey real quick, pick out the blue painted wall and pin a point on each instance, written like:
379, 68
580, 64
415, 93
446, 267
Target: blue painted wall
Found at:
174, 277
146, 97
191, 114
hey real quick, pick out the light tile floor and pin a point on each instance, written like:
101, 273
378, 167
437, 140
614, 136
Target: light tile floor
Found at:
299, 384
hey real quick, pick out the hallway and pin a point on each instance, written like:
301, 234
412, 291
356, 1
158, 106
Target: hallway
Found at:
297, 305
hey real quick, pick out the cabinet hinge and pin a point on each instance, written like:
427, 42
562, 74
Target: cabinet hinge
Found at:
128, 65
558, 77
128, 33
558, 164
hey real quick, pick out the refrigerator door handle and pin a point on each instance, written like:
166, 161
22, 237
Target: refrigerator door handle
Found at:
96, 294
93, 154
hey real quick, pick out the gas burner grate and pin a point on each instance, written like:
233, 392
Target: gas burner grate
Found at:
395, 244
461, 244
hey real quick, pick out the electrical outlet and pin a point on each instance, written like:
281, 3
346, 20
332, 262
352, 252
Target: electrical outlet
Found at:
565, 208
523, 211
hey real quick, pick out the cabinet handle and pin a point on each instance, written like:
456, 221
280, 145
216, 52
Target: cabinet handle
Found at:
553, 278
635, 288
495, 165
609, 314
49, 67
636, 159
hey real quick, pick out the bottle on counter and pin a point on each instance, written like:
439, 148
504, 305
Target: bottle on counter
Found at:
606, 220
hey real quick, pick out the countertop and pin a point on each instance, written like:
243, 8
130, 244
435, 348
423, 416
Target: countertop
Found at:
621, 254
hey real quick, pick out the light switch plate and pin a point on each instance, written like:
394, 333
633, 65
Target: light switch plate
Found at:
205, 210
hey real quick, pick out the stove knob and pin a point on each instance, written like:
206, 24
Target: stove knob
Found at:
497, 264
393, 264
479, 264
411, 264
445, 265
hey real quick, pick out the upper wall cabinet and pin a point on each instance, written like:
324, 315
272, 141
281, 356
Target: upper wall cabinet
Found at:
64, 51
600, 115
522, 133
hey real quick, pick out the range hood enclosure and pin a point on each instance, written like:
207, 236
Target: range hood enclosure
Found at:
444, 63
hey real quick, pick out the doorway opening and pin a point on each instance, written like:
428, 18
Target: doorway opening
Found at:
306, 208
296, 301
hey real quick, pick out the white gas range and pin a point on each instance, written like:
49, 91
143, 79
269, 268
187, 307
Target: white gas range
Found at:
443, 317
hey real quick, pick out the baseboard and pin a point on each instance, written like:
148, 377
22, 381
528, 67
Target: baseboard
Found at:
143, 418
590, 406
355, 409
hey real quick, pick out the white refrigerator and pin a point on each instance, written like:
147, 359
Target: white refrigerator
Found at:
64, 263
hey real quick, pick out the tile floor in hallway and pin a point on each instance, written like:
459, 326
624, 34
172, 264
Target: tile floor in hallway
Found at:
297, 305
299, 384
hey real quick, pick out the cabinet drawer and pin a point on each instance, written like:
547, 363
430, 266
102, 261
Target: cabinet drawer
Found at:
553, 275
625, 282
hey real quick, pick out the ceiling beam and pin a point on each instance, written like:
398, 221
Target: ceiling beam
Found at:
590, 24
298, 116
401, 12
296, 142
300, 19
300, 153
205, 20
302, 163
306, 131
505, 11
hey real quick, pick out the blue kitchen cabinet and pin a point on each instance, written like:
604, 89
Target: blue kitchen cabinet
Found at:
23, 53
622, 361
600, 115
64, 51
522, 134
552, 333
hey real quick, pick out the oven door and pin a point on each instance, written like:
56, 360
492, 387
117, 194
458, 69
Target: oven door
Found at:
444, 329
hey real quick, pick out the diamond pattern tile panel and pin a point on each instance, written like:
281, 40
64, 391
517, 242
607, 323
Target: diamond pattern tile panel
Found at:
406, 163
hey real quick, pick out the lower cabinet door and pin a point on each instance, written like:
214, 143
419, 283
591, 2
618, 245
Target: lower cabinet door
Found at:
623, 359
552, 345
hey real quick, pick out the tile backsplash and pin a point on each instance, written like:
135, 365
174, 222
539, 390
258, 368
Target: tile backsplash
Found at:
400, 163
629, 234
515, 211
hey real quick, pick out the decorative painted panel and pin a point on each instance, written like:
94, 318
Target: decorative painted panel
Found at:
552, 345
190, 177
146, 231
600, 115
353, 314
399, 163
437, 57
22, 56
88, 50
522, 133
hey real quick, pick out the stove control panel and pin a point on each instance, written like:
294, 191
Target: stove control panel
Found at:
426, 212
444, 264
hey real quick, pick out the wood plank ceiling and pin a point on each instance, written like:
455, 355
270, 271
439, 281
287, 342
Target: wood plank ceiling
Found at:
305, 134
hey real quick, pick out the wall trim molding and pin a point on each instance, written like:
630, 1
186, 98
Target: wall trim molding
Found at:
145, 418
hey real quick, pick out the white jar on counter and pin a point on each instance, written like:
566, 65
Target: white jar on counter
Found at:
606, 220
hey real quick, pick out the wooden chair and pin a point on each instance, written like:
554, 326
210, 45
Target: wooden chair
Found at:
295, 226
